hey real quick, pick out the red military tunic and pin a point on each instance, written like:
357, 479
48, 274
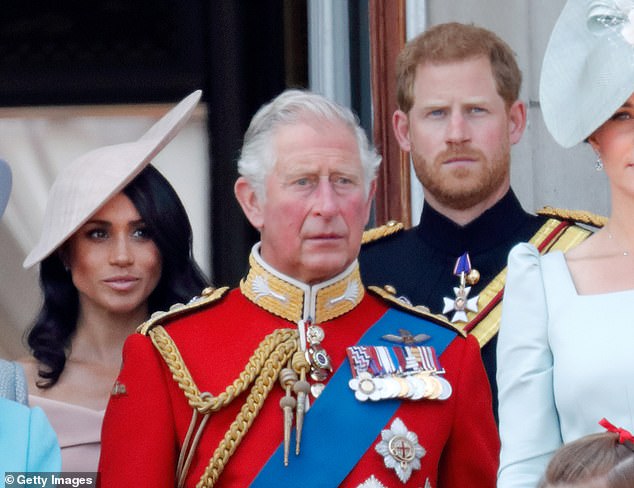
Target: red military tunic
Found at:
148, 415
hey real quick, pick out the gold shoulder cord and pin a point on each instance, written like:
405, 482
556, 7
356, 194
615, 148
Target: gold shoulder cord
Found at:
387, 229
577, 216
262, 369
208, 296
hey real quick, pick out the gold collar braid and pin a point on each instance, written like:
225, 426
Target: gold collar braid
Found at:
293, 300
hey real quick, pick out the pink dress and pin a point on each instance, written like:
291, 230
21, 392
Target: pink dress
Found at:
78, 431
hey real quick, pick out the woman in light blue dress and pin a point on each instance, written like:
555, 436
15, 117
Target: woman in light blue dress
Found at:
12, 380
27, 440
566, 344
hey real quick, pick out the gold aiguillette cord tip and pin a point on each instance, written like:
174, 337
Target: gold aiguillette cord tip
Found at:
301, 387
288, 378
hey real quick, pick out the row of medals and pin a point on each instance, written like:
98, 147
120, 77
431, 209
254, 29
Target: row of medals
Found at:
411, 387
375, 376
416, 386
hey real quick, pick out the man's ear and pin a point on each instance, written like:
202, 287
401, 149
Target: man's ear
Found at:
368, 203
400, 124
248, 200
372, 191
517, 121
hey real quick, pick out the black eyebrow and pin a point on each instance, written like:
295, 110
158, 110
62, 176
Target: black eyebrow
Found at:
107, 222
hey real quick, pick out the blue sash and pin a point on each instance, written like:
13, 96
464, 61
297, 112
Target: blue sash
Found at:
339, 425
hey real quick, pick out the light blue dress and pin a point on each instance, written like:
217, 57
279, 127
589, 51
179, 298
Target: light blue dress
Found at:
564, 362
27, 440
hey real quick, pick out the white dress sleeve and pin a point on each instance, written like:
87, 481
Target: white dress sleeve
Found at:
529, 424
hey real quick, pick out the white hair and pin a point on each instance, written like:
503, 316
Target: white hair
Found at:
258, 157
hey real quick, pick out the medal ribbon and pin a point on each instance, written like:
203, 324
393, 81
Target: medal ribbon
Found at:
463, 265
337, 425
410, 359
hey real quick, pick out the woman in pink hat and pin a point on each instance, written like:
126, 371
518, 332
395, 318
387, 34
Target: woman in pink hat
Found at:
116, 246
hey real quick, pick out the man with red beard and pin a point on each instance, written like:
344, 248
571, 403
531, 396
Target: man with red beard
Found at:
459, 113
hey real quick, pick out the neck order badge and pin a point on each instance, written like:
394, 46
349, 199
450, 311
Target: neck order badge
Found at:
462, 303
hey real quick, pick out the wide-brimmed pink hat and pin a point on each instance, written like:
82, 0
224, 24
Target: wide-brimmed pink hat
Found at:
86, 184
5, 185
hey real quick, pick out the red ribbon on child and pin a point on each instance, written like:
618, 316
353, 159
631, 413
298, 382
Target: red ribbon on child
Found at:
624, 435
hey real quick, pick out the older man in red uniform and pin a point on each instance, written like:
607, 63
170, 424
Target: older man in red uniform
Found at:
301, 376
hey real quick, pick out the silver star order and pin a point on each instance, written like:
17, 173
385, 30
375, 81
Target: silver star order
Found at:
371, 482
461, 304
402, 456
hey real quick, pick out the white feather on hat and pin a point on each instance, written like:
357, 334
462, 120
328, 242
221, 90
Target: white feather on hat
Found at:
86, 184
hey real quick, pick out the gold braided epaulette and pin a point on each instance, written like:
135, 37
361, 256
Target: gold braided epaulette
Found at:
577, 216
207, 296
388, 294
387, 229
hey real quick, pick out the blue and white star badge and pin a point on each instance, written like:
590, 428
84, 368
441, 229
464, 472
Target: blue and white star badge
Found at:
461, 304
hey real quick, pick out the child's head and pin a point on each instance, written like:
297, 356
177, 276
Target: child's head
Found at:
604, 460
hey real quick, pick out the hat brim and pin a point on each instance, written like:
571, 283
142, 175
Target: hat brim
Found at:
587, 73
90, 181
5, 185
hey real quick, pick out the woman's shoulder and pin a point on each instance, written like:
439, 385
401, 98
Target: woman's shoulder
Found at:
528, 266
14, 412
526, 253
29, 441
523, 251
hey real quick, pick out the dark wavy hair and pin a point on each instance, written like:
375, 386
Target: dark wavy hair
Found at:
181, 278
